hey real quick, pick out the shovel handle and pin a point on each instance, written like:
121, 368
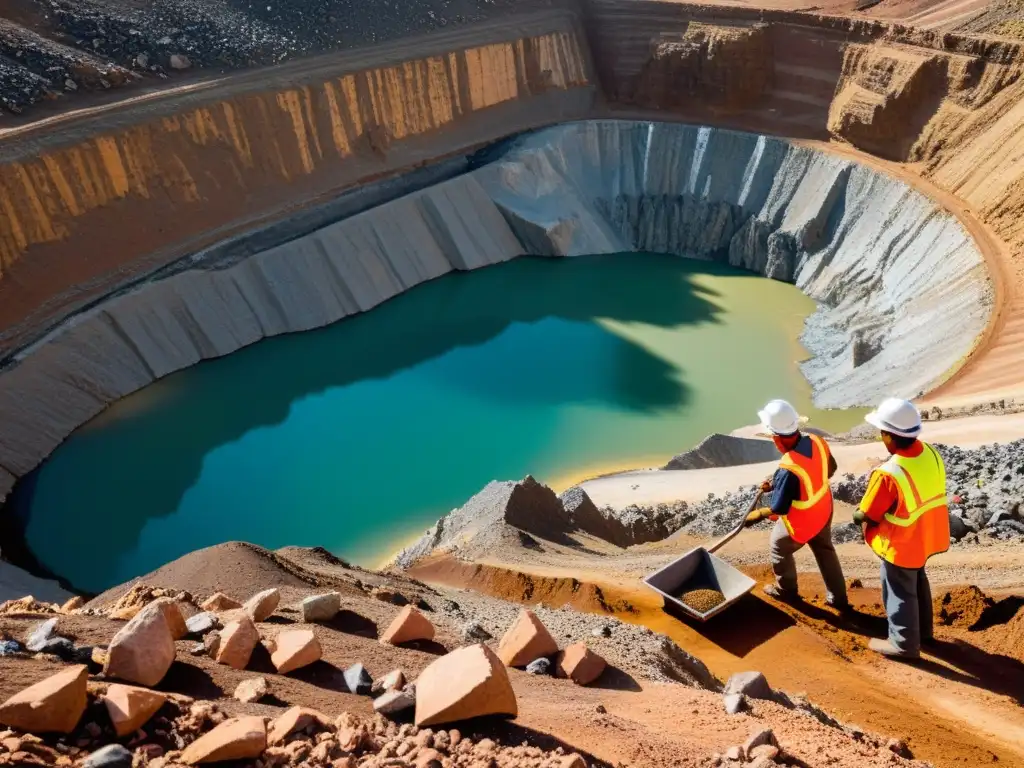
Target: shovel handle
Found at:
739, 527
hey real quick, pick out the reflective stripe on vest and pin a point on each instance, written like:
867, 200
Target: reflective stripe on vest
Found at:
919, 526
809, 514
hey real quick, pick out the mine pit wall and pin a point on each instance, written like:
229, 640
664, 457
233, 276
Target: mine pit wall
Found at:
153, 182
93, 202
893, 293
887, 89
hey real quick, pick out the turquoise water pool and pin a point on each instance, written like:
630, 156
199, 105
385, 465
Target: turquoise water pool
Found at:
359, 436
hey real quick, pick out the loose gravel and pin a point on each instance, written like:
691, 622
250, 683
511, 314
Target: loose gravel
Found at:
63, 47
702, 600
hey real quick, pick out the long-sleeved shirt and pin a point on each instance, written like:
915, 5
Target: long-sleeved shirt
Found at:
883, 495
786, 485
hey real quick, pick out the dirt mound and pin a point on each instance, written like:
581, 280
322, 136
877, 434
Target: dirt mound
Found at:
1008, 639
489, 519
236, 568
962, 606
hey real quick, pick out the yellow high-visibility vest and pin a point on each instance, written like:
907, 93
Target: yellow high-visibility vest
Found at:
919, 526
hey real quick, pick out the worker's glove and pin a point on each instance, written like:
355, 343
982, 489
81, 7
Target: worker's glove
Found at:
756, 516
859, 517
766, 486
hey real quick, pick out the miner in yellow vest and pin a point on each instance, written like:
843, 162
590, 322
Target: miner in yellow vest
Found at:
801, 502
905, 521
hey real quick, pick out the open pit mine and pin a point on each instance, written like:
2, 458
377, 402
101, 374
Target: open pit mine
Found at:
532, 269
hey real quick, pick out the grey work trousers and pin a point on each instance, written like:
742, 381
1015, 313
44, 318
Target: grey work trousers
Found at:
907, 596
782, 549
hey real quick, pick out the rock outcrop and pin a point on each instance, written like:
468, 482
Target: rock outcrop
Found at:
720, 450
724, 67
487, 518
622, 527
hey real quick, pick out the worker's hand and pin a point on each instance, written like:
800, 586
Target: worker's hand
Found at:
756, 516
859, 517
766, 486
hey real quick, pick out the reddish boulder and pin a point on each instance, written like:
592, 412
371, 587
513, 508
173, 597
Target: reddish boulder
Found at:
143, 650
55, 704
468, 682
580, 664
130, 707
260, 606
218, 602
295, 649
527, 639
295, 719
237, 642
408, 625
243, 738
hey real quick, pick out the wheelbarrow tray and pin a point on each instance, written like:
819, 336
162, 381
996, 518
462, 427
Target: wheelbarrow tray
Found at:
699, 569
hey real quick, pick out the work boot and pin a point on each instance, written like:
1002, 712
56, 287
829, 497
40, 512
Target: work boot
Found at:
776, 592
890, 651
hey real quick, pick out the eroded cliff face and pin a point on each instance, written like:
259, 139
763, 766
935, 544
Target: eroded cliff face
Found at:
727, 68
901, 103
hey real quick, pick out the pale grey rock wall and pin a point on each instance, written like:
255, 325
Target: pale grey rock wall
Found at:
904, 292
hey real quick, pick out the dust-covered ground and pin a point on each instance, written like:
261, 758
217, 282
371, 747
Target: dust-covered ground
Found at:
628, 717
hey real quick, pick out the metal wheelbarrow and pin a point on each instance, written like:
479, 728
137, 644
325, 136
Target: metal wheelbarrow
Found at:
700, 569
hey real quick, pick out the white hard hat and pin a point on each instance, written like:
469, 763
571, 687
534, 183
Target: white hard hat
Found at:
900, 417
779, 418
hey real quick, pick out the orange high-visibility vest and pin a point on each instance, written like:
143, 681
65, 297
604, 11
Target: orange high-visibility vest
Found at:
811, 512
919, 526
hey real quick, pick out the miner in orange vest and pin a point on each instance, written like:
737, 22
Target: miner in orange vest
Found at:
801, 502
905, 521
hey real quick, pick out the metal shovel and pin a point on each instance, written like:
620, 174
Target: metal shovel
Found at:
698, 569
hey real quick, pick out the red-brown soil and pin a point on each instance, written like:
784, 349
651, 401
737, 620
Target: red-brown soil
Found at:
960, 706
622, 719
